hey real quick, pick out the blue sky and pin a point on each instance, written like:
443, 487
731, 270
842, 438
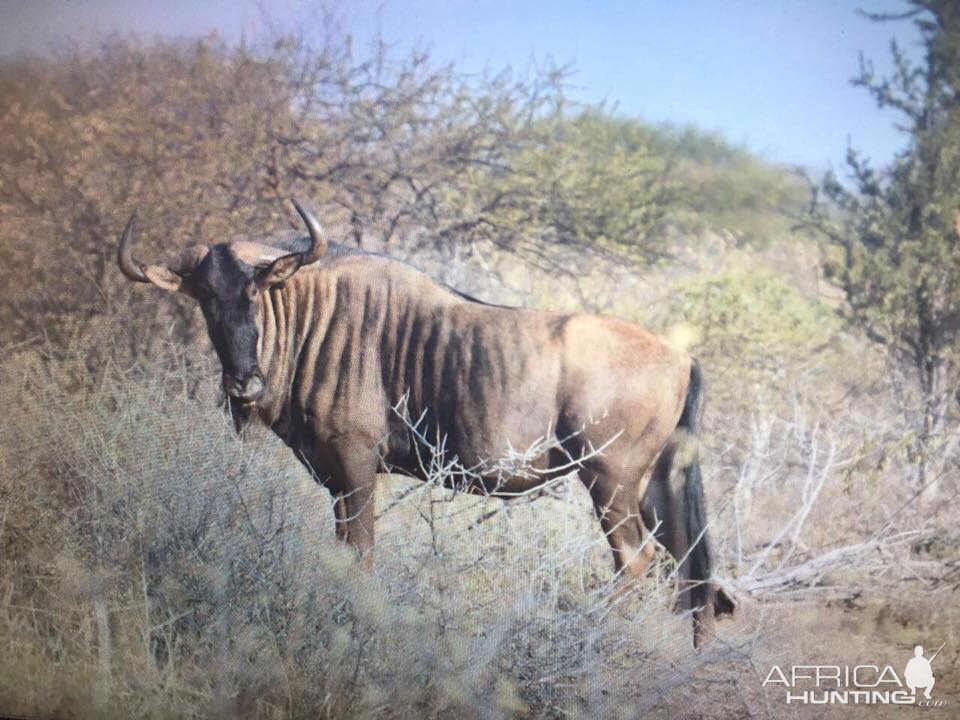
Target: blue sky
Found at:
772, 75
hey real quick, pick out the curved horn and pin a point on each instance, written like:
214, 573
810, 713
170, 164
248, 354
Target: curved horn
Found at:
128, 266
318, 241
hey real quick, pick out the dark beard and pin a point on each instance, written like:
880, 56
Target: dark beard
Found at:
241, 413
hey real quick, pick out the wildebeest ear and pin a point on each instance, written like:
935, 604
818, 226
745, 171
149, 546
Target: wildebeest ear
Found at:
163, 277
280, 269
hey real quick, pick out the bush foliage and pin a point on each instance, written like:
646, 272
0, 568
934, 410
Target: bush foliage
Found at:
395, 153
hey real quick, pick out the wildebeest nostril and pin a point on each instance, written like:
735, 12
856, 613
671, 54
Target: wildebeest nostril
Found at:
248, 389
253, 387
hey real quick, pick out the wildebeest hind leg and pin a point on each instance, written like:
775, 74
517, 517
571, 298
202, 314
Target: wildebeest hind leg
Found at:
661, 511
618, 508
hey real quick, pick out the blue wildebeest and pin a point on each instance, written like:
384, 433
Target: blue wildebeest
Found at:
324, 343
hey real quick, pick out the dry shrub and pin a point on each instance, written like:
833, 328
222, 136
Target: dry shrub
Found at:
155, 565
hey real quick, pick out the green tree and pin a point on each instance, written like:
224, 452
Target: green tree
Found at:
597, 181
894, 234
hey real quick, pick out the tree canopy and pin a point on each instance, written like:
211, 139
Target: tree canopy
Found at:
894, 233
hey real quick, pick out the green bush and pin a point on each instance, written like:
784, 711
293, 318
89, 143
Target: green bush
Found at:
750, 327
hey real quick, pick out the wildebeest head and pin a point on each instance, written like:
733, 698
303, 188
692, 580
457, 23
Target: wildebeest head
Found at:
225, 280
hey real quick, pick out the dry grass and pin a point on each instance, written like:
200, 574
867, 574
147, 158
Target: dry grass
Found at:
154, 565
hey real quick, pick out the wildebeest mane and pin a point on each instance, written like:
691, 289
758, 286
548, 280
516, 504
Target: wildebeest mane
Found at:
293, 242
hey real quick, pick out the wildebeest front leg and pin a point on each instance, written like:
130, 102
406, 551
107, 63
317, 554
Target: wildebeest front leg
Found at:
357, 465
340, 513
319, 467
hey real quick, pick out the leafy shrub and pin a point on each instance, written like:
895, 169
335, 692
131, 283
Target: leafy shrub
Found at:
750, 327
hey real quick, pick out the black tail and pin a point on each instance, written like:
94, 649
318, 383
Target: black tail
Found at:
698, 564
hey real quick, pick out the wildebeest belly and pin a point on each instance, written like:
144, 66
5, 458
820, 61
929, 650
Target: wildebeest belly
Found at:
480, 391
